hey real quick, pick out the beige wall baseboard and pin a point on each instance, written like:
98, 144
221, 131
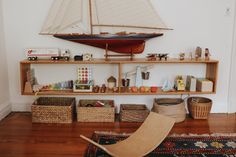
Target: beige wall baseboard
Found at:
21, 107
5, 109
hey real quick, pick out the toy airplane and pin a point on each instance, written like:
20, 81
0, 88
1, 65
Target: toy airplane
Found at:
154, 56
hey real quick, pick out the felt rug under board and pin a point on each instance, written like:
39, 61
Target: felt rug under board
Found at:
215, 145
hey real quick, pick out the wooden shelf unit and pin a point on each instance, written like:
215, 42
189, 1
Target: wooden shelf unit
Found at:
211, 74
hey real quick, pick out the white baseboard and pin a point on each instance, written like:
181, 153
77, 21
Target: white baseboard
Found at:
5, 109
21, 107
232, 107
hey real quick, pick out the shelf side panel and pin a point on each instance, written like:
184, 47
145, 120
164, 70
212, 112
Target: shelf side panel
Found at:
211, 74
23, 72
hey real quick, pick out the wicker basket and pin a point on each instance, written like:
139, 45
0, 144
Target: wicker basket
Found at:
171, 107
133, 112
53, 110
95, 114
199, 107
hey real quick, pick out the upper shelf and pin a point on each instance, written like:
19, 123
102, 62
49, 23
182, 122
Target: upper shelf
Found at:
119, 61
159, 92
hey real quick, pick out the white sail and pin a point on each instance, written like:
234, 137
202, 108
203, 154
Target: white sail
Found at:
55, 8
111, 16
59, 17
71, 16
125, 15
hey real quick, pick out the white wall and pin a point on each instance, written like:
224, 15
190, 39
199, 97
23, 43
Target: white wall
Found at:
232, 91
202, 23
4, 88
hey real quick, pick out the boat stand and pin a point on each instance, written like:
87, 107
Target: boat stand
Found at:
107, 56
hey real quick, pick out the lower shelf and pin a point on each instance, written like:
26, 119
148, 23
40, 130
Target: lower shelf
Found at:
159, 92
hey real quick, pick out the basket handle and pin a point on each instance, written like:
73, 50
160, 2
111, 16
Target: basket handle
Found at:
195, 100
185, 97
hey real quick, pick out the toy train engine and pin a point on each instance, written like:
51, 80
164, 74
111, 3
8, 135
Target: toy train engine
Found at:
53, 54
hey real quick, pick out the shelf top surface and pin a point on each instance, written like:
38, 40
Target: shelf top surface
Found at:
108, 92
120, 93
118, 61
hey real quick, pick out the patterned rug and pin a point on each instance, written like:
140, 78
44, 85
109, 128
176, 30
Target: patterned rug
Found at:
215, 145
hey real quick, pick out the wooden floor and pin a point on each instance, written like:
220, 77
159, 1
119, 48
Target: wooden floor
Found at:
20, 138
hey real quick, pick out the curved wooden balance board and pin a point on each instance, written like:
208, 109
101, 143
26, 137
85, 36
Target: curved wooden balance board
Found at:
150, 134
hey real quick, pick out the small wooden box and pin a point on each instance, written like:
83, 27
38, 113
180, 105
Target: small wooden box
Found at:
204, 85
53, 110
86, 113
133, 112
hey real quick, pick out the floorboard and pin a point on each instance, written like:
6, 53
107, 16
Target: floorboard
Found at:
20, 138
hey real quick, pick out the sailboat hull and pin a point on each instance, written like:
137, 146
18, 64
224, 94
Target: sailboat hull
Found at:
127, 44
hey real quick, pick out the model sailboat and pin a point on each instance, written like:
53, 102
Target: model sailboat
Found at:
121, 26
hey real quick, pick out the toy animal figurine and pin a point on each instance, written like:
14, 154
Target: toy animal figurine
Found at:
152, 56
198, 53
207, 54
163, 55
103, 88
96, 89
181, 56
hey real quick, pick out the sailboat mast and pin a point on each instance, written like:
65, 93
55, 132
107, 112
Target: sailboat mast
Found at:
90, 14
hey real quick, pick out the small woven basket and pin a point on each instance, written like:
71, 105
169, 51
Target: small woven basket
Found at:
199, 107
133, 112
172, 107
95, 114
53, 110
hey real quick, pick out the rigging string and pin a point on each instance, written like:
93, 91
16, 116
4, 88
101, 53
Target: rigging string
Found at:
97, 16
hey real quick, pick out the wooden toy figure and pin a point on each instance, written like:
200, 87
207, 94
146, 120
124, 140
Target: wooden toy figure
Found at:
198, 53
181, 56
96, 89
103, 88
207, 54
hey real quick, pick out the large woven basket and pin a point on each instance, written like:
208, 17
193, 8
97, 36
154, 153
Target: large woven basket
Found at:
53, 110
171, 107
95, 114
133, 112
199, 107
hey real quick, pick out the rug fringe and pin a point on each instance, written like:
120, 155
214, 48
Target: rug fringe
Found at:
203, 135
111, 133
171, 135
